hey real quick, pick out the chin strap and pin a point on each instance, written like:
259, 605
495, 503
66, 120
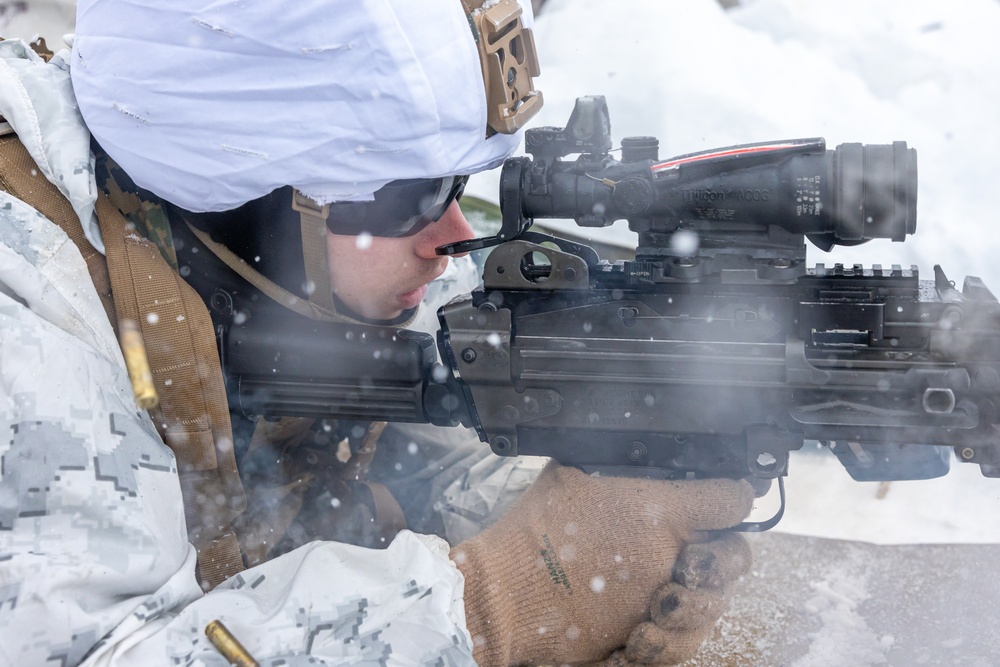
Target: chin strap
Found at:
309, 309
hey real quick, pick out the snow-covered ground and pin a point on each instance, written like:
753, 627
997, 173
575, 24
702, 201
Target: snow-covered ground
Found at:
874, 71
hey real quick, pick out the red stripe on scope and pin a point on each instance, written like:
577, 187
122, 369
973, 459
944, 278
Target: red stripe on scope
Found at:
673, 164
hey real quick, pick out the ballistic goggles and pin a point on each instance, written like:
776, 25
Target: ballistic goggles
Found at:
400, 208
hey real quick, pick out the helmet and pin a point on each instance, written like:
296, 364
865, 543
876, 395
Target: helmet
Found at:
211, 105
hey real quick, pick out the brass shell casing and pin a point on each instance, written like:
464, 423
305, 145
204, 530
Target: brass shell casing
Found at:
137, 363
228, 645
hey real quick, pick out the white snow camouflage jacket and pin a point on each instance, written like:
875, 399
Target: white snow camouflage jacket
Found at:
95, 567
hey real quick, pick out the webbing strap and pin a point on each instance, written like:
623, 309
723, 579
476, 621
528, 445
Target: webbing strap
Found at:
218, 559
309, 309
193, 414
21, 177
389, 514
136, 283
357, 466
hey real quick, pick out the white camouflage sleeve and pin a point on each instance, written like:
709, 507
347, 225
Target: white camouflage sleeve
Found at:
324, 603
94, 562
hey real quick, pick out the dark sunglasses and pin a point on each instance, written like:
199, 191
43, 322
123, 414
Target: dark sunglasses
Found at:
400, 208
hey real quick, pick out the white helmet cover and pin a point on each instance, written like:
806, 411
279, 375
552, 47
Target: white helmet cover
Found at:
212, 104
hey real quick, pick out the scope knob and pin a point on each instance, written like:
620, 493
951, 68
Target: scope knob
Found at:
640, 148
632, 196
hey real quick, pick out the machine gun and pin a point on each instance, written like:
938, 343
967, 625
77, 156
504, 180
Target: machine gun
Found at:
713, 354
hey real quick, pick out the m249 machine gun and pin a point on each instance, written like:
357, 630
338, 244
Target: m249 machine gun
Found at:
714, 353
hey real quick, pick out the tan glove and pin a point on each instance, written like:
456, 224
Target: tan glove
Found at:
568, 575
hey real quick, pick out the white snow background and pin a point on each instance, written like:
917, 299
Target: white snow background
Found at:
697, 76
928, 72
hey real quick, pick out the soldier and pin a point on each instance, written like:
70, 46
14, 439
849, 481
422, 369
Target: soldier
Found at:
210, 122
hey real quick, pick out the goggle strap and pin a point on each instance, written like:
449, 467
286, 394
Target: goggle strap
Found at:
312, 220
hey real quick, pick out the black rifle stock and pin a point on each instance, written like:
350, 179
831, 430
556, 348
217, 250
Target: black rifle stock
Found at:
714, 353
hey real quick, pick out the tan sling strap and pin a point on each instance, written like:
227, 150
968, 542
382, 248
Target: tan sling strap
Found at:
388, 513
193, 415
21, 177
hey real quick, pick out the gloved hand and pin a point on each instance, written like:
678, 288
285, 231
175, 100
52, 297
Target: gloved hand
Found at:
684, 611
571, 572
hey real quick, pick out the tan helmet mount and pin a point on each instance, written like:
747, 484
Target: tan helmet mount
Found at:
509, 61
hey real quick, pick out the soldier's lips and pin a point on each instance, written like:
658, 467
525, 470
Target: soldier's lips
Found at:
411, 299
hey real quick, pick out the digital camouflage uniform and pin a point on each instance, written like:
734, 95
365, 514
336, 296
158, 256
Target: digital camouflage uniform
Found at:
95, 566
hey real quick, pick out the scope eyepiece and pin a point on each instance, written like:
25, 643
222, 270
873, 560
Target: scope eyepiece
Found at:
875, 192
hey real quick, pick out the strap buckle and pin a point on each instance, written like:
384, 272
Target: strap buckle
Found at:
305, 206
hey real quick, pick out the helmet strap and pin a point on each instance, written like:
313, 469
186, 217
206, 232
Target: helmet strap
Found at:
312, 218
